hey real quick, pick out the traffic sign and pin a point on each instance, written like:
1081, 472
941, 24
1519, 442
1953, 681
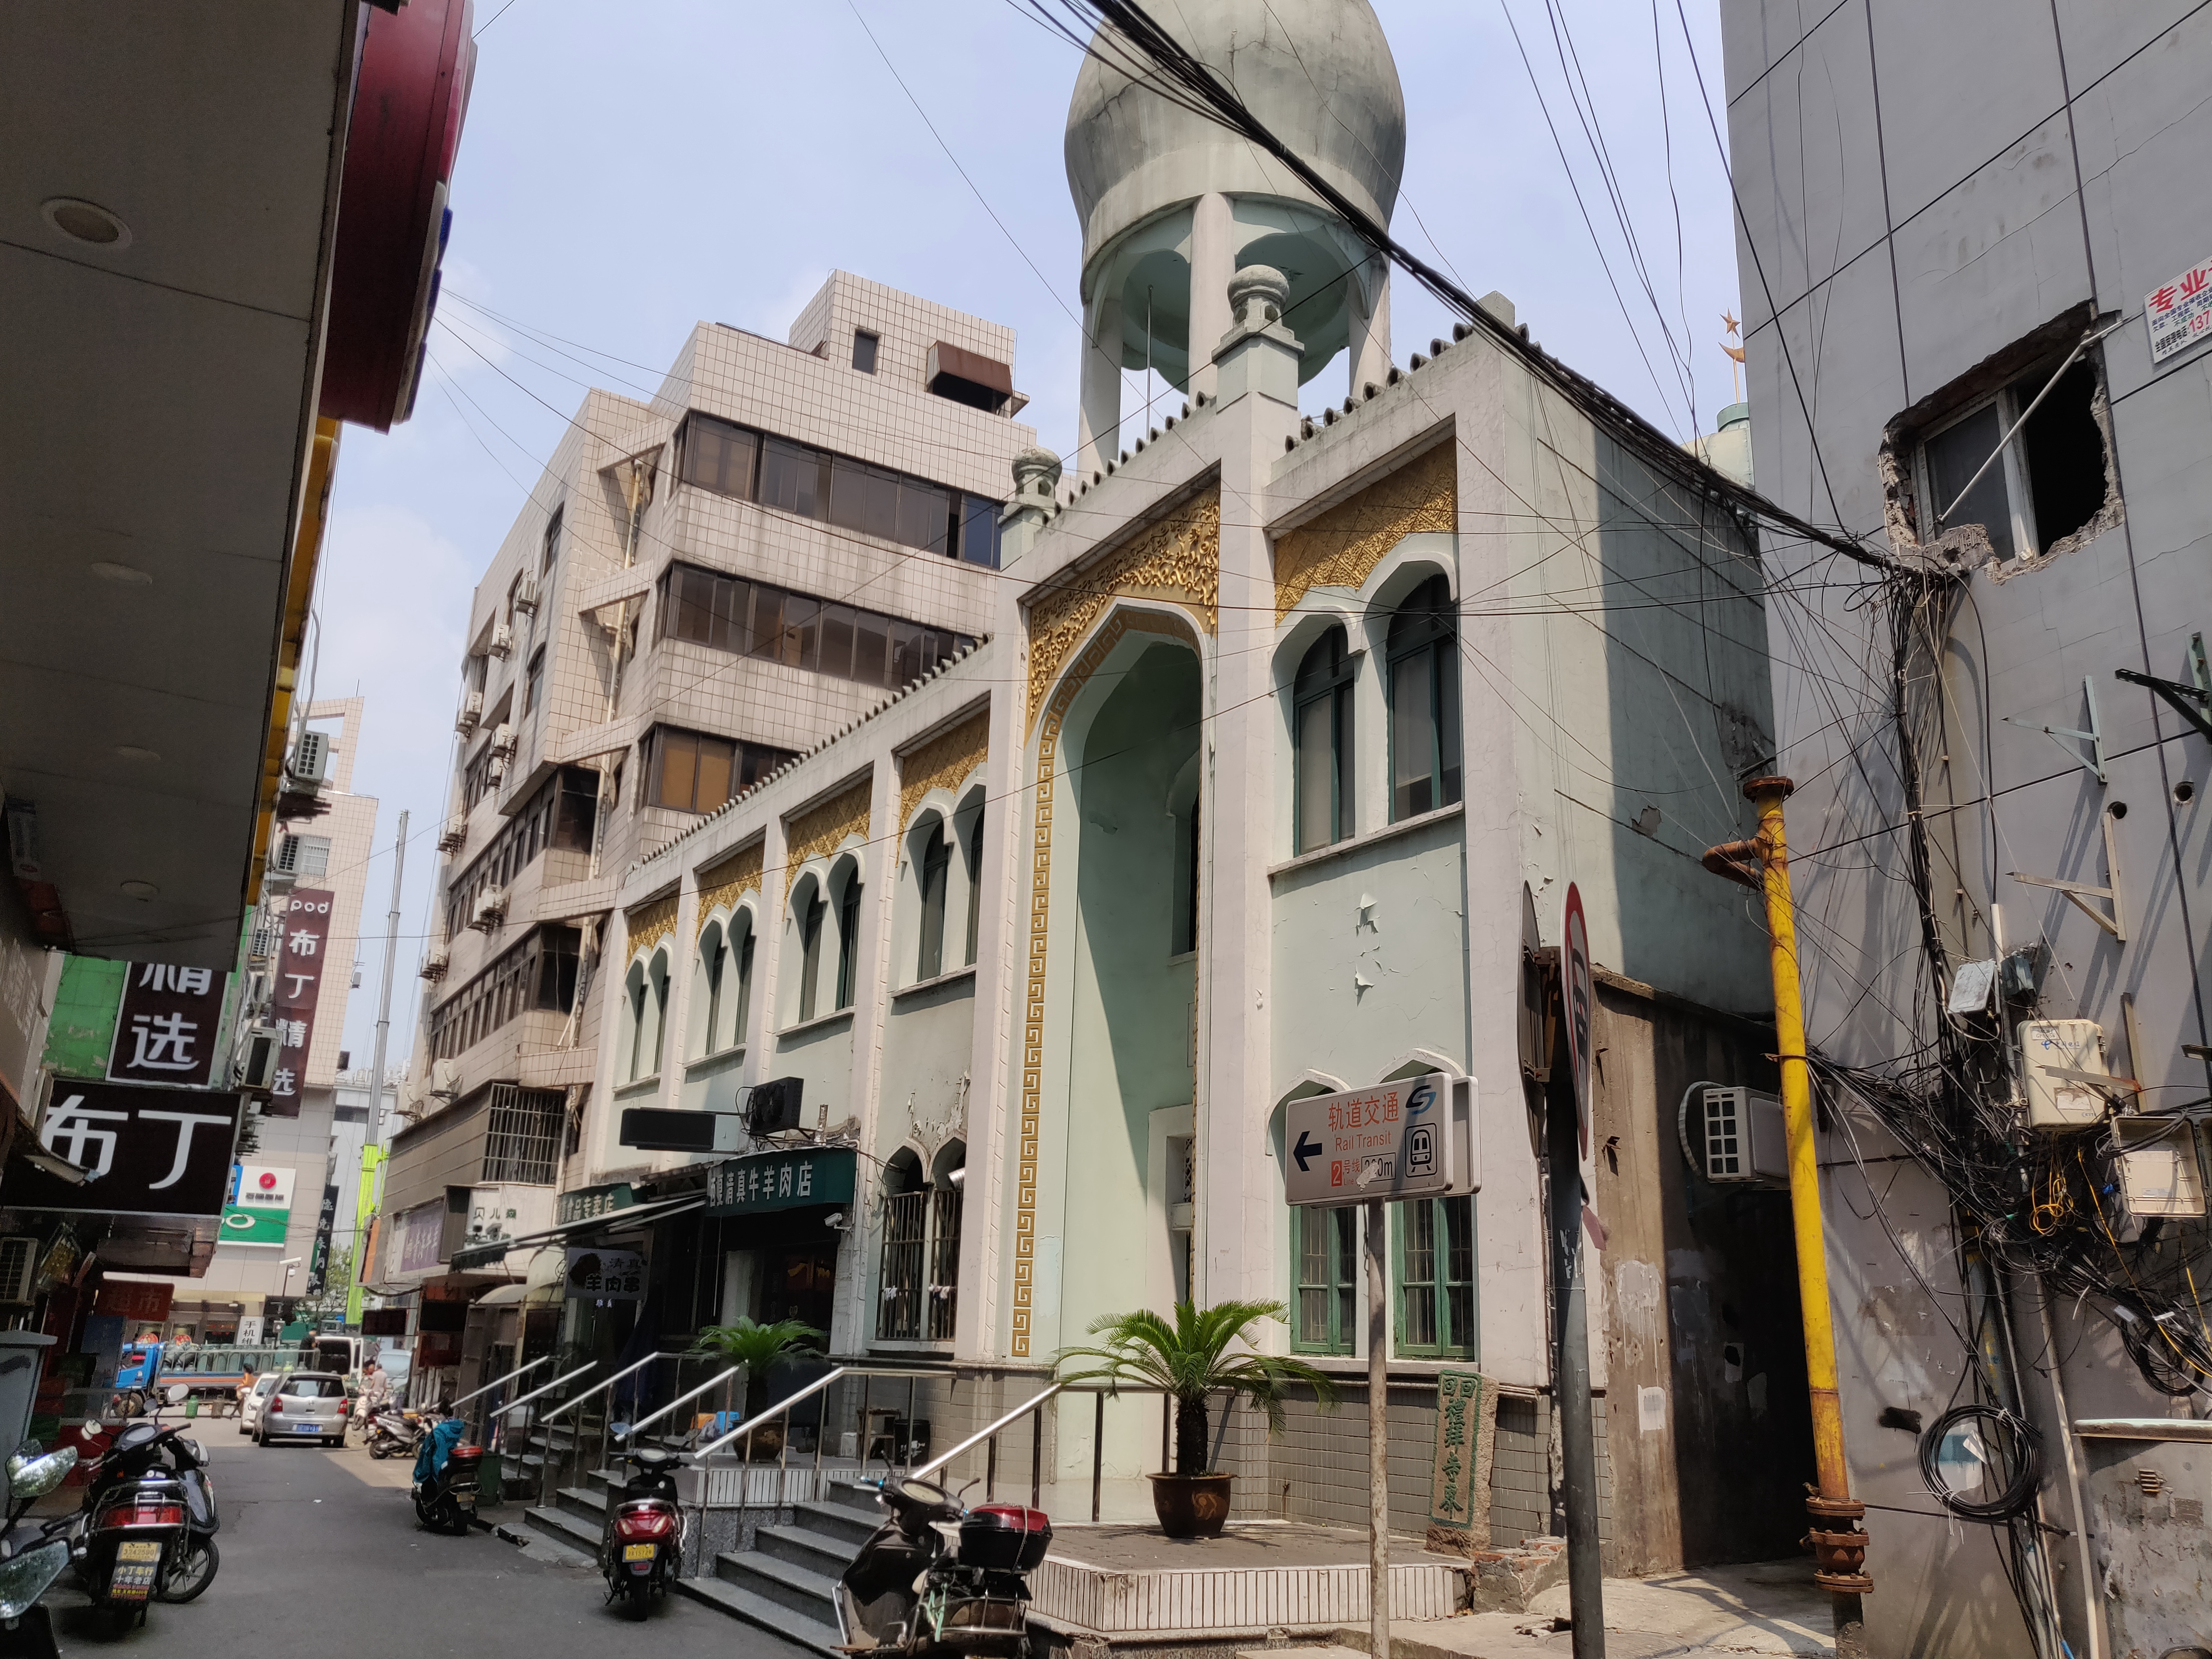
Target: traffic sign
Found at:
1409, 1138
1580, 996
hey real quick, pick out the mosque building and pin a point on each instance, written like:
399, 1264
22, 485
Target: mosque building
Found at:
1221, 765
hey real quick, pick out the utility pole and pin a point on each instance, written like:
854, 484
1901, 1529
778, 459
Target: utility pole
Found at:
1839, 1542
384, 1002
1571, 1367
1378, 1435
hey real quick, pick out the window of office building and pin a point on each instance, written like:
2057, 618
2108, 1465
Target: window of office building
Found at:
2026, 463
539, 974
696, 772
773, 625
864, 351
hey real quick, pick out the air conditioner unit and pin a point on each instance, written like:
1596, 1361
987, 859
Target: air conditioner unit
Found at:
260, 1054
496, 769
455, 834
502, 739
1744, 1137
435, 963
19, 1268
310, 762
490, 909
267, 937
470, 713
445, 1079
502, 640
774, 1106
525, 595
2058, 1059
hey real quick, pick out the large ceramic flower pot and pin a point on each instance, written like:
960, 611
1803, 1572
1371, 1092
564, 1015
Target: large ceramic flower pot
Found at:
1191, 1506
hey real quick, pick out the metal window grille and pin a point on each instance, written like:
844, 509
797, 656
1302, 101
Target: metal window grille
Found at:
944, 1262
906, 1219
522, 1136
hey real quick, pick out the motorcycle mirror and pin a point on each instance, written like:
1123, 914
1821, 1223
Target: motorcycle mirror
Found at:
177, 1394
963, 1493
37, 1476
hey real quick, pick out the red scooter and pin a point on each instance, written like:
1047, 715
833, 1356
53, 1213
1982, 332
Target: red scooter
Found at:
643, 1550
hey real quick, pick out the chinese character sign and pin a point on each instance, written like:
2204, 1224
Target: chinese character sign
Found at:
780, 1181
305, 926
169, 1026
596, 1275
1459, 1474
260, 1210
2180, 313
143, 1151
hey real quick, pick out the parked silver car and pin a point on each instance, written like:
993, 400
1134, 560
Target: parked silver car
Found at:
305, 1405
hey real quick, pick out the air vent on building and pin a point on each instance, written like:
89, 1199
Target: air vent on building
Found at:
1745, 1139
452, 838
470, 713
502, 640
19, 1268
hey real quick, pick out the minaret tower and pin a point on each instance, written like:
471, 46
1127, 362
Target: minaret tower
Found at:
1173, 204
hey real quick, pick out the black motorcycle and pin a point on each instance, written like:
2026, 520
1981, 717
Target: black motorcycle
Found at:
171, 1468
641, 1551
393, 1432
905, 1595
445, 1476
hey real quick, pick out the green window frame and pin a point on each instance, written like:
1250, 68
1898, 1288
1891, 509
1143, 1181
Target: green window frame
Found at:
1320, 705
1421, 679
1432, 1273
1325, 1262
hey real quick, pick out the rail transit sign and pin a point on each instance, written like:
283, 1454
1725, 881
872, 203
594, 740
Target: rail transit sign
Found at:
1409, 1138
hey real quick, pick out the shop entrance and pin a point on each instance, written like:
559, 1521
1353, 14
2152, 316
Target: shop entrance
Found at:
800, 1284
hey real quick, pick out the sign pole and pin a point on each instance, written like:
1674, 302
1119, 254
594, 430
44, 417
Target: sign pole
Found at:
1378, 1438
1567, 1135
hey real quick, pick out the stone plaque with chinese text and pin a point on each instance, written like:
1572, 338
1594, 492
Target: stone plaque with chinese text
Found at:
1459, 1475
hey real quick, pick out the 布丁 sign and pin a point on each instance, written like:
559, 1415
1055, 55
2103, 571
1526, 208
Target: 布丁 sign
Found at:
304, 921
1408, 1138
780, 1181
2179, 313
143, 1151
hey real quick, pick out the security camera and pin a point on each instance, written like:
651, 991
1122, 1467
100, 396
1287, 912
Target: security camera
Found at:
837, 1220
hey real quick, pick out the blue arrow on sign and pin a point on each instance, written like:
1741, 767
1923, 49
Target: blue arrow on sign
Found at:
1305, 1148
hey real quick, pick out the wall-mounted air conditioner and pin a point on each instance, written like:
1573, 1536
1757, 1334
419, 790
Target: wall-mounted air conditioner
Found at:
260, 1054
525, 595
502, 640
310, 762
1745, 1139
496, 769
445, 1079
469, 713
455, 834
435, 963
19, 1268
267, 937
502, 739
491, 908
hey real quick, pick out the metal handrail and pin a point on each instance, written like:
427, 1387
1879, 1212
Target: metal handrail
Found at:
547, 1388
982, 1435
543, 1359
601, 1387
631, 1432
777, 1409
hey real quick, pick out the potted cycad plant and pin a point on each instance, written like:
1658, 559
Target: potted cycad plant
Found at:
757, 1348
1190, 1360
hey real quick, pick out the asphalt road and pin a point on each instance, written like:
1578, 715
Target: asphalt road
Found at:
321, 1555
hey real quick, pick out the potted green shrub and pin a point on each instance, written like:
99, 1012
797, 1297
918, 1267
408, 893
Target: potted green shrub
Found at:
1190, 1360
758, 1347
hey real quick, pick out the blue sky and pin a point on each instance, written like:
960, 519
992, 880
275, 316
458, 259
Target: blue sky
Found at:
629, 171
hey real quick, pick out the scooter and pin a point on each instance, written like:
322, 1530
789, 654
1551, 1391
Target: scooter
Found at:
26, 1629
905, 1595
445, 1475
129, 1543
194, 1569
642, 1552
393, 1432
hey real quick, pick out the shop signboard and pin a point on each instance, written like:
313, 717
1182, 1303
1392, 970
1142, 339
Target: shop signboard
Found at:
304, 922
260, 1208
168, 1027
143, 1151
781, 1181
594, 1274
587, 1202
419, 1231
139, 1304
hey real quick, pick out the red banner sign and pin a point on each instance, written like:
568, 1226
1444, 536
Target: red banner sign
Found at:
145, 1303
301, 957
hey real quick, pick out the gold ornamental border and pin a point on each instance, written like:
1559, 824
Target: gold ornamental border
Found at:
1178, 560
1341, 548
730, 880
651, 923
944, 761
1118, 626
824, 829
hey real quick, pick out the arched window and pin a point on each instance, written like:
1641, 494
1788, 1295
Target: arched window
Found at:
848, 937
1423, 692
1321, 699
809, 909
634, 994
657, 976
936, 879
918, 1299
740, 948
970, 822
707, 984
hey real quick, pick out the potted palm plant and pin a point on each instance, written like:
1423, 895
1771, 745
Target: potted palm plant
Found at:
758, 1347
1190, 1360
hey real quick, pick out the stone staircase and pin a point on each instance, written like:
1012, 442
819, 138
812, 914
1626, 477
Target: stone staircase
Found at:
783, 1584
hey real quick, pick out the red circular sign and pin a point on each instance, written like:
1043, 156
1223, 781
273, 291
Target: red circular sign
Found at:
268, 1179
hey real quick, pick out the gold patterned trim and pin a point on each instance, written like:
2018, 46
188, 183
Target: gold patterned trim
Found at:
722, 886
1178, 559
1119, 624
651, 923
824, 829
944, 762
1341, 548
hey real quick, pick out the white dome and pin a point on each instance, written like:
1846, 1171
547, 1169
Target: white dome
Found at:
1317, 73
